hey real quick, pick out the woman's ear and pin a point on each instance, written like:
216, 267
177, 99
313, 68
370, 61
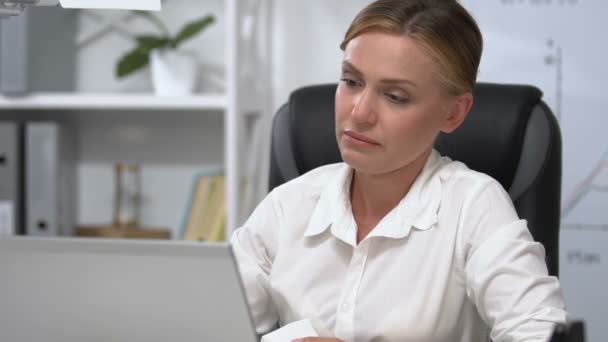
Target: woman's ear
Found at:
457, 112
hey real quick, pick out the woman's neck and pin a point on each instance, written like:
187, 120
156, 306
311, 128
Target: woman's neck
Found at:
374, 196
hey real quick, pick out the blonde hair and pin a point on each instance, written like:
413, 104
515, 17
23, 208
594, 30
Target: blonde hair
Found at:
443, 28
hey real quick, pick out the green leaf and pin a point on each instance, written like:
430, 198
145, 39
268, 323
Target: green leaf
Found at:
131, 62
193, 28
149, 42
155, 20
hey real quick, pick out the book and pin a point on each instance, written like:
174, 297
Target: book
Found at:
197, 207
205, 217
216, 220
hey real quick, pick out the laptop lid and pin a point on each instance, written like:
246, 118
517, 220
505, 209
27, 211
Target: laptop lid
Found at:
74, 290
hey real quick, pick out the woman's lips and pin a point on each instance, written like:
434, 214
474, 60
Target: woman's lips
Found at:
359, 138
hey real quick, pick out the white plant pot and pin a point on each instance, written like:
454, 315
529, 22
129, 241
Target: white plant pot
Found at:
174, 72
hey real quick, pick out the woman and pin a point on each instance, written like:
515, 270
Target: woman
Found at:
399, 243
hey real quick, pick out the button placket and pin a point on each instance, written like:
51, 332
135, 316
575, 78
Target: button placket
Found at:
346, 311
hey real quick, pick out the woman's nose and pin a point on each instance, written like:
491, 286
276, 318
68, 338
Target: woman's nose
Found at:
363, 107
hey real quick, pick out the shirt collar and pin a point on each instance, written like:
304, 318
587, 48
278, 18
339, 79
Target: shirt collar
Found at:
333, 208
418, 209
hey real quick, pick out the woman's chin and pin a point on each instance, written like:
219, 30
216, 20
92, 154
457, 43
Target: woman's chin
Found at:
358, 161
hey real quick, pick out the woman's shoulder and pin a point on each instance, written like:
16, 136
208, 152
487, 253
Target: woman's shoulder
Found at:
459, 178
475, 198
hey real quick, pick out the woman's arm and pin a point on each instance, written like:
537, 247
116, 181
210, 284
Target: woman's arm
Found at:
254, 246
505, 271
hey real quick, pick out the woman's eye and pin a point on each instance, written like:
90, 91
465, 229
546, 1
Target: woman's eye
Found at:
396, 99
349, 82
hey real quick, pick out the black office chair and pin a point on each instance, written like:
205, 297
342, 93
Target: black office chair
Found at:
571, 332
510, 134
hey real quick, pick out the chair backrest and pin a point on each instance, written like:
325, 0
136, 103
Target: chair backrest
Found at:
510, 134
573, 331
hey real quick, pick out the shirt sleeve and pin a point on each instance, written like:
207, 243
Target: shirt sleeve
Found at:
254, 246
505, 271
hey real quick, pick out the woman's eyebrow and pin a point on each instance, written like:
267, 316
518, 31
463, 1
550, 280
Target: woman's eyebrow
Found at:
349, 67
398, 81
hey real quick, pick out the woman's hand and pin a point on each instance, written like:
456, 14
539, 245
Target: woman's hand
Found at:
317, 339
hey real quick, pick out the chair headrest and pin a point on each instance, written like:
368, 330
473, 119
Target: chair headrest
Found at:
312, 125
490, 140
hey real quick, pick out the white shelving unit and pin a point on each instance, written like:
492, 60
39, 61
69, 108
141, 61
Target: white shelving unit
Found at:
247, 95
70, 101
248, 89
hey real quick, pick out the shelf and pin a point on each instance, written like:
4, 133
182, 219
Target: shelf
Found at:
113, 101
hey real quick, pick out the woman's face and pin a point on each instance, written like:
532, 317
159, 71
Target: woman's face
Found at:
389, 103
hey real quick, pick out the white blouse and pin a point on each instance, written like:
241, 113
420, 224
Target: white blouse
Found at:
452, 262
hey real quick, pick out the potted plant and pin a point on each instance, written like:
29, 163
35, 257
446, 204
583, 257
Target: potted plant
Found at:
174, 70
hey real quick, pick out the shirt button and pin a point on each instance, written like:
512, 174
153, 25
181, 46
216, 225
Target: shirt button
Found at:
346, 306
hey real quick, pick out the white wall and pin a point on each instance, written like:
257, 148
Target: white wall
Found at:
97, 59
306, 42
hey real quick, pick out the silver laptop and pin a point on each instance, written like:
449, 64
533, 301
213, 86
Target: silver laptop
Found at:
77, 290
